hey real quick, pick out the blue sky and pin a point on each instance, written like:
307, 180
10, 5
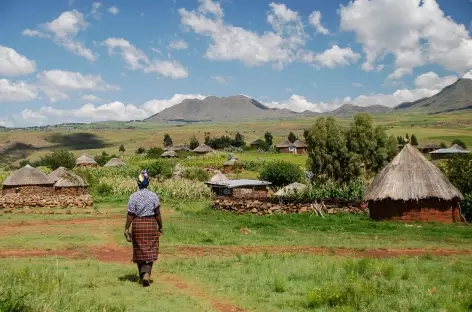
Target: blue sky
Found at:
65, 60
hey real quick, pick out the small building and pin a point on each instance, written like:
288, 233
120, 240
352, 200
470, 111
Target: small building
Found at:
429, 148
291, 189
56, 174
411, 188
28, 181
445, 153
70, 184
115, 162
297, 147
242, 188
203, 149
169, 154
178, 148
86, 161
257, 143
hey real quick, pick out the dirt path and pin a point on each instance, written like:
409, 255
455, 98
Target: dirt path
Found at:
118, 254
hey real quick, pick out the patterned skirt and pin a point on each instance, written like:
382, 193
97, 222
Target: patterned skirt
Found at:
145, 237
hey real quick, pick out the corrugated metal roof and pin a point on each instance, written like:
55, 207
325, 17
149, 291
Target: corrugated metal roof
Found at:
240, 183
450, 150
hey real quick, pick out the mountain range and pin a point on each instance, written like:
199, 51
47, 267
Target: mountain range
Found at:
457, 96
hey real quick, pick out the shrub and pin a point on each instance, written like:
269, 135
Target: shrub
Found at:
56, 159
154, 152
140, 150
351, 191
122, 148
167, 140
103, 189
197, 174
460, 143
160, 168
459, 171
104, 158
281, 173
194, 143
466, 207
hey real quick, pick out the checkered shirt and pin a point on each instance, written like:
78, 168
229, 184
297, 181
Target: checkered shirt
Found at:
143, 202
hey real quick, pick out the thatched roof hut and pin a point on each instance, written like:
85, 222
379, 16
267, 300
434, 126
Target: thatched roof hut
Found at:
203, 149
27, 176
114, 162
291, 189
413, 188
297, 147
169, 154
70, 179
56, 174
218, 178
299, 144
443, 153
284, 144
85, 160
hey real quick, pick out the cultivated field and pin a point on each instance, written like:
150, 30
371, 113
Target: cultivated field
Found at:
78, 260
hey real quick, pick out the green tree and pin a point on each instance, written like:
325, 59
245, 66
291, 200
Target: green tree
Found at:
239, 140
104, 158
400, 140
154, 152
194, 143
121, 149
407, 137
140, 150
442, 145
460, 143
167, 140
414, 140
459, 172
327, 152
281, 173
268, 138
292, 137
306, 132
58, 158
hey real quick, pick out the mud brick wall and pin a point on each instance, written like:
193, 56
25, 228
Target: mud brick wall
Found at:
264, 207
71, 191
427, 210
14, 201
28, 190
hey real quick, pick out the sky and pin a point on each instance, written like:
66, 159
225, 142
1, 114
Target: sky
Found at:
86, 61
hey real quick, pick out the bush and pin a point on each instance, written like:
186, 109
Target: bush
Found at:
351, 191
281, 173
104, 158
160, 168
459, 172
154, 152
466, 207
104, 189
56, 159
140, 150
197, 174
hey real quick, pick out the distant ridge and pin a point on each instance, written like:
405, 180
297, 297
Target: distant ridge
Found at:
348, 110
455, 97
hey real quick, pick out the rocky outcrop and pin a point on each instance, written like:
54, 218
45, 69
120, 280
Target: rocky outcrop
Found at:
263, 207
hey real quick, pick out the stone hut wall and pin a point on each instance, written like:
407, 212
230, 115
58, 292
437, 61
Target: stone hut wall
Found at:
250, 192
44, 190
301, 150
87, 165
428, 210
71, 191
18, 201
264, 206
284, 150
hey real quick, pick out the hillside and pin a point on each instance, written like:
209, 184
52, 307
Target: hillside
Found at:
348, 110
455, 97
215, 108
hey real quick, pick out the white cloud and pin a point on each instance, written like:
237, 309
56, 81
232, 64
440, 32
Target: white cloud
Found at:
5, 122
91, 98
169, 69
414, 32
468, 75
19, 91
113, 10
336, 57
95, 10
137, 59
315, 21
178, 45
208, 6
357, 84
14, 64
222, 79
299, 103
63, 31
56, 84
431, 80
110, 111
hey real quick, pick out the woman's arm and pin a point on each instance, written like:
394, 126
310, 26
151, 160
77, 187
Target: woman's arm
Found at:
157, 214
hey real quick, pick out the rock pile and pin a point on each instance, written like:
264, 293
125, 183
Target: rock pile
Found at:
10, 201
261, 207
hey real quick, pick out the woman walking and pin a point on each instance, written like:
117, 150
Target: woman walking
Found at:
145, 215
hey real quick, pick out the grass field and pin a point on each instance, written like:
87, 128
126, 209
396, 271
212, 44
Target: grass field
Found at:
80, 262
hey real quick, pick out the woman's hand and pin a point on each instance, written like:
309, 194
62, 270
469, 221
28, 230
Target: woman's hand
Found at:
161, 231
127, 235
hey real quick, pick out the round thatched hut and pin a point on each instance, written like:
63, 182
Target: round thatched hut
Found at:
27, 181
411, 188
114, 162
85, 161
203, 149
56, 174
70, 184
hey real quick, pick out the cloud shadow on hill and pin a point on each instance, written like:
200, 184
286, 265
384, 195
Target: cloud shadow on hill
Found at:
76, 141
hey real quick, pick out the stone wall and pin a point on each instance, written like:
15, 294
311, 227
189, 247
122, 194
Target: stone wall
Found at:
250, 192
71, 191
427, 210
263, 207
28, 190
11, 201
